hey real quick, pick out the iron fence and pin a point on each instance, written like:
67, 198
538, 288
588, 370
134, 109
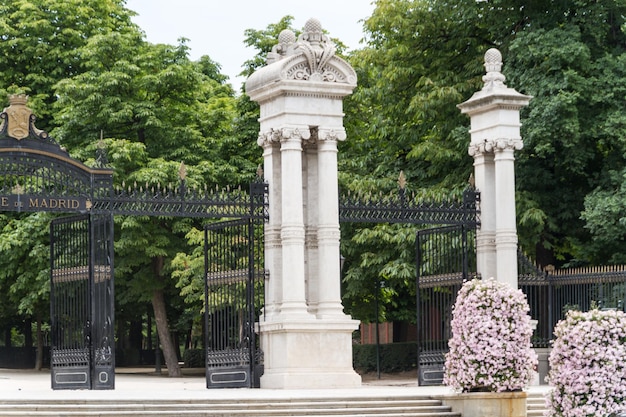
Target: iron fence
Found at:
402, 207
552, 293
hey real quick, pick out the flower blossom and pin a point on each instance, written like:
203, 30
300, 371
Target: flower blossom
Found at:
490, 347
588, 365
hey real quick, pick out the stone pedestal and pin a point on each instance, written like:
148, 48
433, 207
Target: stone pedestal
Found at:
313, 354
305, 335
488, 404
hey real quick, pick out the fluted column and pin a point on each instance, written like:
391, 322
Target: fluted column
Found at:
311, 198
484, 177
270, 141
292, 223
328, 235
506, 227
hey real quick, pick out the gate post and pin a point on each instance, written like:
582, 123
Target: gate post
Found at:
495, 135
305, 336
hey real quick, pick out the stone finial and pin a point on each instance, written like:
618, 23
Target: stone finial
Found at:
284, 47
493, 65
313, 33
310, 57
316, 47
493, 60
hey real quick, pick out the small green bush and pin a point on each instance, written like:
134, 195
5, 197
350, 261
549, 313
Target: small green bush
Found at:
394, 357
194, 358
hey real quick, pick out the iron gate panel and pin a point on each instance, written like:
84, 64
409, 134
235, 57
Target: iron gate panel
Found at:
234, 279
445, 259
81, 302
103, 303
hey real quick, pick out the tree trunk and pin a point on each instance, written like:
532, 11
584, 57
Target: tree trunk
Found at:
39, 356
160, 317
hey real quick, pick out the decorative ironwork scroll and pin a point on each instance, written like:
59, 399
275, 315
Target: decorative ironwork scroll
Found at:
400, 208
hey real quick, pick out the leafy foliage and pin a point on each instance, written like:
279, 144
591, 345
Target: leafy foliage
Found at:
40, 39
423, 57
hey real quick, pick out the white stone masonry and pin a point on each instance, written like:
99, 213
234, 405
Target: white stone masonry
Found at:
305, 335
495, 135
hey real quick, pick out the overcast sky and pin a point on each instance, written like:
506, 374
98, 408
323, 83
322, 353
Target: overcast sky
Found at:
216, 28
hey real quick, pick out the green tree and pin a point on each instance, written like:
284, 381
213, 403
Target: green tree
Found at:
40, 42
25, 270
574, 129
604, 218
423, 57
157, 109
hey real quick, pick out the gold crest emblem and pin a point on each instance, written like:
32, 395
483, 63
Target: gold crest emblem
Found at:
18, 117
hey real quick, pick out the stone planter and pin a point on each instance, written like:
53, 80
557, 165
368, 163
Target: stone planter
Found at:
488, 404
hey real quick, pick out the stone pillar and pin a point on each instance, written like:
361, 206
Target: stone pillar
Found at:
312, 214
506, 227
495, 135
484, 177
273, 244
305, 335
328, 234
292, 232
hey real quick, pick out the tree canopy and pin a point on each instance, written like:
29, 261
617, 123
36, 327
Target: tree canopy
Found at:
423, 57
94, 81
150, 107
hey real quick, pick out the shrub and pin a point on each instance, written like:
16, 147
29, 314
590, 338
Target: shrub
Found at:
490, 347
194, 358
394, 357
588, 365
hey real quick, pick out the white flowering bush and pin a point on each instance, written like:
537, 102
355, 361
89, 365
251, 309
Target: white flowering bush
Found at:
490, 348
588, 365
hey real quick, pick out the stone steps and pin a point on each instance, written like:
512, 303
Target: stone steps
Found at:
329, 407
535, 405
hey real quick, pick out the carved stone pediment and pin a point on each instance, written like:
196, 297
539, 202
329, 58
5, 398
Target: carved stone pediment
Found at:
311, 58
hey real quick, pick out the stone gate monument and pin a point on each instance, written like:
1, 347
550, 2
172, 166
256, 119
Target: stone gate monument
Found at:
495, 136
305, 335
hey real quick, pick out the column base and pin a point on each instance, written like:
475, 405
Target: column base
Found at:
310, 379
308, 354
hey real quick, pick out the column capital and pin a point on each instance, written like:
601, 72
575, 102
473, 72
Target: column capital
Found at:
494, 145
282, 134
331, 134
504, 144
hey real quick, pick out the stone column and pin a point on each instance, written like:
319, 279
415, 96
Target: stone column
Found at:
495, 135
329, 303
293, 300
305, 336
311, 221
484, 177
273, 244
506, 227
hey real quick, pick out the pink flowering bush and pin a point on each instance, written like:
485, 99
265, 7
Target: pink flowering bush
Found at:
588, 365
490, 348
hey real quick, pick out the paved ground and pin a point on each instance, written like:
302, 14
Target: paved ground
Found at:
145, 384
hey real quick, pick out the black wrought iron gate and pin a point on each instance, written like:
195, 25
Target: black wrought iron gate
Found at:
445, 258
81, 302
234, 281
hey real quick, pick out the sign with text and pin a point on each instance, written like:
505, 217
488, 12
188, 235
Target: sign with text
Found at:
24, 202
